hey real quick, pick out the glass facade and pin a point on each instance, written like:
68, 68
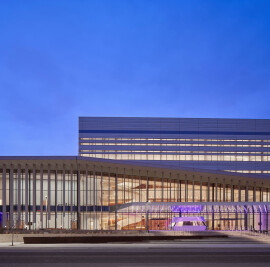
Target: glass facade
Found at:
232, 145
110, 198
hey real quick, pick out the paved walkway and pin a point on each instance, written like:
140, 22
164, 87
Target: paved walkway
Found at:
234, 251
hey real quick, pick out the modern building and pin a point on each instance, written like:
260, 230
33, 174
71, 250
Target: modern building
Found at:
140, 173
213, 144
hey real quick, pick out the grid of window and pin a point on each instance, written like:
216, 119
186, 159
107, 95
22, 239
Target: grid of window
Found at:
175, 149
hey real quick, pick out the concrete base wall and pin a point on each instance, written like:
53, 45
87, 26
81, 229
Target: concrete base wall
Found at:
18, 237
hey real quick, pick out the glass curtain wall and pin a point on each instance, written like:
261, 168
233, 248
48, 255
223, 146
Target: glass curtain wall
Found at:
49, 199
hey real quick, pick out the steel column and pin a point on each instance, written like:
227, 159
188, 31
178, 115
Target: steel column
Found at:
78, 199
147, 188
216, 193
193, 190
71, 195
49, 196
260, 219
55, 196
101, 195
208, 190
169, 187
94, 197
116, 198
162, 189
4, 203
11, 197
246, 193
213, 218
239, 192
267, 219
232, 192
64, 191
26, 197
224, 191
245, 218
34, 194
201, 189
41, 197
186, 189
19, 196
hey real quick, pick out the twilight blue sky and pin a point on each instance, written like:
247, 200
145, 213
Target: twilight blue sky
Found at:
64, 59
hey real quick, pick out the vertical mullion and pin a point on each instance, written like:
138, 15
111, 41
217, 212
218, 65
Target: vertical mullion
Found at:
26, 196
34, 194
11, 194
4, 177
55, 196
155, 185
178, 189
224, 191
71, 194
41, 196
216, 193
232, 192
101, 192
239, 191
201, 189
109, 201
116, 198
147, 187
124, 186
193, 189
246, 193
94, 197
162, 187
78, 199
86, 193
186, 189
64, 192
132, 185
49, 195
91, 201
208, 190
170, 188
19, 196
101, 187
140, 182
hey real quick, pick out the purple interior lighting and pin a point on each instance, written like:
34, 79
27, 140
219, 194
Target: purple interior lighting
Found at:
191, 208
